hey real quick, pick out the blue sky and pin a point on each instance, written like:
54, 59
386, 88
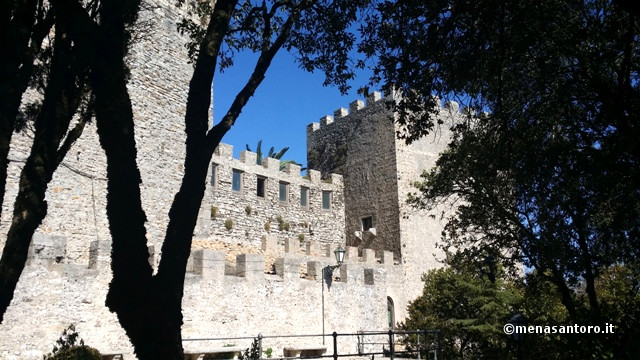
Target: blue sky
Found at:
288, 99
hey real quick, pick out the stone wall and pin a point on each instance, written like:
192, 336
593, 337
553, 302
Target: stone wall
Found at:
360, 144
420, 230
76, 196
273, 289
378, 171
53, 294
254, 214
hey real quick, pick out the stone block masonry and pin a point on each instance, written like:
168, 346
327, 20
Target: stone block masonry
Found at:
160, 75
53, 294
360, 145
378, 172
246, 201
280, 228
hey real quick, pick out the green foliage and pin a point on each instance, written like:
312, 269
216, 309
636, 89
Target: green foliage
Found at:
267, 226
213, 212
469, 310
248, 210
620, 305
71, 347
548, 175
196, 31
272, 154
301, 237
228, 224
251, 353
268, 352
282, 225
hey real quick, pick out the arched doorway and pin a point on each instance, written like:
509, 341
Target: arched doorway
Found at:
391, 316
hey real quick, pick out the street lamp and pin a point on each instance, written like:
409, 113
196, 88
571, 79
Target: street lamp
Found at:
339, 253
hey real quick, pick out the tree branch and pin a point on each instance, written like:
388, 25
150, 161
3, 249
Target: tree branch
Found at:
74, 134
185, 207
214, 136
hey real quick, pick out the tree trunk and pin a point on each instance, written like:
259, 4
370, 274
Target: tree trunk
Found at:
21, 36
17, 23
62, 97
149, 313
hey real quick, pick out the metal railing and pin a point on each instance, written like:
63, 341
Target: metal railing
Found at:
387, 344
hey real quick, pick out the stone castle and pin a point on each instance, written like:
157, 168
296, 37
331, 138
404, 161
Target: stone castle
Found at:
263, 233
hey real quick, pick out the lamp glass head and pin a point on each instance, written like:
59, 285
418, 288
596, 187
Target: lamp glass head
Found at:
339, 254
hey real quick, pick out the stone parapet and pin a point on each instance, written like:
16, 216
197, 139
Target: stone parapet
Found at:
210, 265
214, 304
246, 201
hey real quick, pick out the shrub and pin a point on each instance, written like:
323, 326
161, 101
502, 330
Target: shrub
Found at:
248, 209
252, 353
214, 211
71, 347
301, 237
228, 224
284, 226
267, 225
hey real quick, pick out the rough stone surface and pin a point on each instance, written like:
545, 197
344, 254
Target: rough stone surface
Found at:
256, 264
51, 296
378, 171
254, 216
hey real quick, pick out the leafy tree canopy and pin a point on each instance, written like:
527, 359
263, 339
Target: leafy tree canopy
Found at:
468, 309
544, 168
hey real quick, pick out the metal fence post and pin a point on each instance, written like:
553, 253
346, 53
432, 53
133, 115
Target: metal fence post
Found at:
391, 348
426, 344
418, 336
335, 345
260, 345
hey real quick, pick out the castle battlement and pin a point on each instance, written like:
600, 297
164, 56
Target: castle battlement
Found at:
344, 114
450, 107
292, 264
247, 162
246, 201
217, 297
264, 232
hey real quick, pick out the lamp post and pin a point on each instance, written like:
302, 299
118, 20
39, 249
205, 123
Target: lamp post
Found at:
339, 253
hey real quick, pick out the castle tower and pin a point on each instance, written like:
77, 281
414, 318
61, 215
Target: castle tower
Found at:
76, 198
378, 171
160, 75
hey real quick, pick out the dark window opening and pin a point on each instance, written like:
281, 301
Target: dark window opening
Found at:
260, 187
283, 192
391, 316
367, 223
326, 200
